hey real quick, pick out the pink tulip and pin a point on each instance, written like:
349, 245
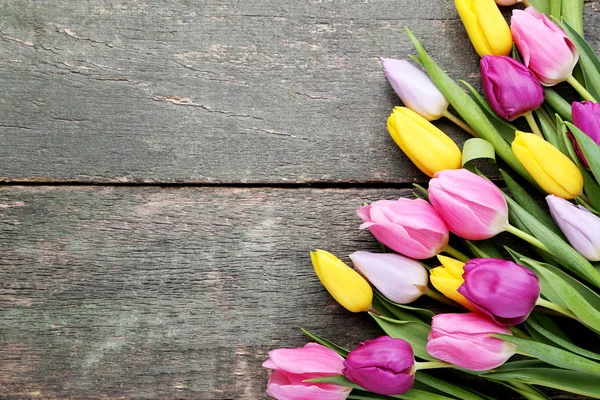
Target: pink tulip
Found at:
292, 366
462, 340
545, 48
503, 290
383, 365
400, 279
473, 207
410, 227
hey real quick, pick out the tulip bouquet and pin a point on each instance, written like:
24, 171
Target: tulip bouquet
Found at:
501, 311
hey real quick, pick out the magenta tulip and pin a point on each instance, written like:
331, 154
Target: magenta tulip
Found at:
580, 226
400, 279
545, 48
586, 116
383, 365
503, 290
415, 88
507, 2
292, 366
473, 207
408, 226
510, 87
462, 340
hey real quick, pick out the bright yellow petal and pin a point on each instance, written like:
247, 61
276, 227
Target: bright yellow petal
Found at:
447, 283
494, 26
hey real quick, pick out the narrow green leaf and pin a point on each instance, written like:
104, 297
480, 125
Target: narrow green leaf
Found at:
529, 392
572, 12
505, 128
468, 109
590, 149
476, 148
414, 332
570, 381
483, 249
534, 324
547, 129
396, 312
560, 249
330, 345
558, 104
528, 203
421, 190
446, 387
556, 8
570, 294
423, 314
542, 6
552, 355
382, 309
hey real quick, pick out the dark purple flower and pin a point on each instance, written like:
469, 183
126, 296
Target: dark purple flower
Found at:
510, 87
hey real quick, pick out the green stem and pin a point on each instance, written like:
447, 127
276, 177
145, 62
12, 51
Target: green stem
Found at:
458, 122
549, 119
580, 89
456, 254
555, 307
527, 237
438, 297
431, 365
532, 124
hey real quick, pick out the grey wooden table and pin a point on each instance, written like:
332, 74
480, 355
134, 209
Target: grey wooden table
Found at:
166, 167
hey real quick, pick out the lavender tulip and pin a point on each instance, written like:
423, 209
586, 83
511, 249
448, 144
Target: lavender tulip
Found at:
503, 290
462, 340
410, 227
510, 87
383, 365
415, 88
473, 207
580, 226
545, 48
400, 279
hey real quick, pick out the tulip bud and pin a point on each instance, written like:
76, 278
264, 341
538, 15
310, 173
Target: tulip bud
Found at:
448, 278
410, 227
383, 365
346, 285
545, 48
400, 279
486, 27
580, 226
586, 116
292, 366
430, 149
462, 340
505, 291
510, 87
473, 207
415, 88
550, 168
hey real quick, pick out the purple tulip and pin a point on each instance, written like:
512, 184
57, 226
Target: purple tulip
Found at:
473, 207
580, 226
462, 340
409, 226
505, 291
545, 48
400, 279
383, 365
510, 87
586, 116
292, 366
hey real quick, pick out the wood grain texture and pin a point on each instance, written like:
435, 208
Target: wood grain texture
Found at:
213, 90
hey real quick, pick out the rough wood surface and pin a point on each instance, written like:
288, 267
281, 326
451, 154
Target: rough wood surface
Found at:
213, 91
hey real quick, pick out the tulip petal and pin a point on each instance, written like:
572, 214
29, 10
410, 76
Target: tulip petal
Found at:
312, 358
469, 353
302, 392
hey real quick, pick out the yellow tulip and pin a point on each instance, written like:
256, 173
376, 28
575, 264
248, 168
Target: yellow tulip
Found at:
430, 149
448, 278
486, 27
346, 285
551, 169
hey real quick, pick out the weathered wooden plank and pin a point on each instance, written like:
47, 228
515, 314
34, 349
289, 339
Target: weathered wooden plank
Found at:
213, 91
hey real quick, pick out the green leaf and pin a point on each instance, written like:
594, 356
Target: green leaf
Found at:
399, 313
382, 309
468, 109
529, 392
330, 345
446, 387
573, 14
556, 8
423, 314
590, 149
558, 104
476, 148
570, 381
414, 332
533, 324
589, 62
542, 6
528, 203
560, 249
483, 249
547, 129
422, 191
571, 294
506, 129
552, 355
